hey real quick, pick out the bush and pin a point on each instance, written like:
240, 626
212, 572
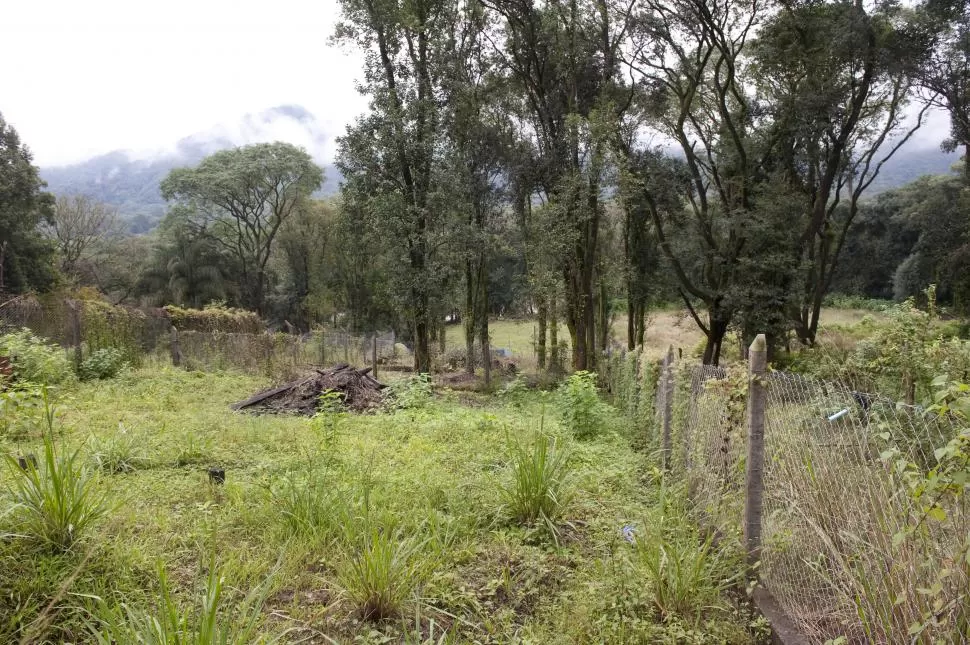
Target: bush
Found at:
224, 319
102, 364
412, 392
56, 501
580, 408
35, 360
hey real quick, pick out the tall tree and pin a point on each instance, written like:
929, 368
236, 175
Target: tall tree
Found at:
834, 79
563, 58
25, 255
688, 57
78, 225
240, 198
391, 157
945, 75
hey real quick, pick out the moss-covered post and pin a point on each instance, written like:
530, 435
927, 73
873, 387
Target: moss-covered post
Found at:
755, 462
667, 383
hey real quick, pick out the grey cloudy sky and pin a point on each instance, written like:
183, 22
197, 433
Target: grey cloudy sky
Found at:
86, 77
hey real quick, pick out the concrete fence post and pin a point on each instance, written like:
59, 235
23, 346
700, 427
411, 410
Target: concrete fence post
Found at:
667, 383
755, 461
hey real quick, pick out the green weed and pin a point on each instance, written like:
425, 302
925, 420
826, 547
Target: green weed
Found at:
118, 453
171, 625
383, 570
539, 488
57, 501
580, 407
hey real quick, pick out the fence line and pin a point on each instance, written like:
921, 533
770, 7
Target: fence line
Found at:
814, 477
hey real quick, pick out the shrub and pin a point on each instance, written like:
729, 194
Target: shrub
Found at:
215, 318
409, 393
580, 408
102, 364
169, 624
22, 410
539, 488
35, 360
55, 501
107, 326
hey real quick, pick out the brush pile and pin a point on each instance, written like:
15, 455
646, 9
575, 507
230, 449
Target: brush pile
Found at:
360, 390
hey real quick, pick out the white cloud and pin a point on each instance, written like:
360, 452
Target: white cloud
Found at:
101, 75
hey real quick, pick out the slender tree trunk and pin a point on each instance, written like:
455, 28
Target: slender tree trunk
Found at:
442, 336
604, 318
541, 335
554, 364
641, 313
483, 326
631, 319
470, 321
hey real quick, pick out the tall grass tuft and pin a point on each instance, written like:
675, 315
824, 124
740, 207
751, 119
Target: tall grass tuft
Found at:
169, 624
307, 505
685, 575
539, 489
383, 570
56, 501
119, 453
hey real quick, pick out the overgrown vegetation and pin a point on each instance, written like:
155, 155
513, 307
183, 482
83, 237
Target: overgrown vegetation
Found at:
471, 522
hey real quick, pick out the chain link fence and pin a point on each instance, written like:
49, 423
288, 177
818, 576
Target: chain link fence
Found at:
848, 548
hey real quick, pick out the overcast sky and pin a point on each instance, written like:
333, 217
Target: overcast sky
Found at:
86, 77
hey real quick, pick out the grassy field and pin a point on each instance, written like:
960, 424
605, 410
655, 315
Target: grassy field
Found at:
667, 328
401, 526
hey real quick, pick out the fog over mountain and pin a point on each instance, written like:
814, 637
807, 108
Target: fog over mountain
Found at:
129, 180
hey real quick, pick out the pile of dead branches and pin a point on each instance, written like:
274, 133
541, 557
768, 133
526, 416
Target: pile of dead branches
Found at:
360, 392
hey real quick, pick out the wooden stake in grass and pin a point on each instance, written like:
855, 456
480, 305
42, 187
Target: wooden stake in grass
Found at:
755, 462
217, 475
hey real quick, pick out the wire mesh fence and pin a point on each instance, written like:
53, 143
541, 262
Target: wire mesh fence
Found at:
847, 546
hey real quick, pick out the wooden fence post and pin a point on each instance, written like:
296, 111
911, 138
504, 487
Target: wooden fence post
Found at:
323, 349
668, 388
755, 462
375, 355
175, 348
74, 313
347, 347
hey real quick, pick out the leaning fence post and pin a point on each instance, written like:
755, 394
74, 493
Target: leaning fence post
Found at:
755, 462
347, 347
176, 350
668, 388
323, 348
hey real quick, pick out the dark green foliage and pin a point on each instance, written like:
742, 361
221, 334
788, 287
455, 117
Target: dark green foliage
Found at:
102, 363
26, 257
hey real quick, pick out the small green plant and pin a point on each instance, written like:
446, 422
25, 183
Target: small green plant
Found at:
539, 488
22, 410
192, 449
57, 501
103, 363
686, 575
326, 422
410, 393
307, 505
580, 408
383, 570
118, 453
171, 625
34, 360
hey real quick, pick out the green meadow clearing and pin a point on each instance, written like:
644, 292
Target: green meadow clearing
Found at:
463, 518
